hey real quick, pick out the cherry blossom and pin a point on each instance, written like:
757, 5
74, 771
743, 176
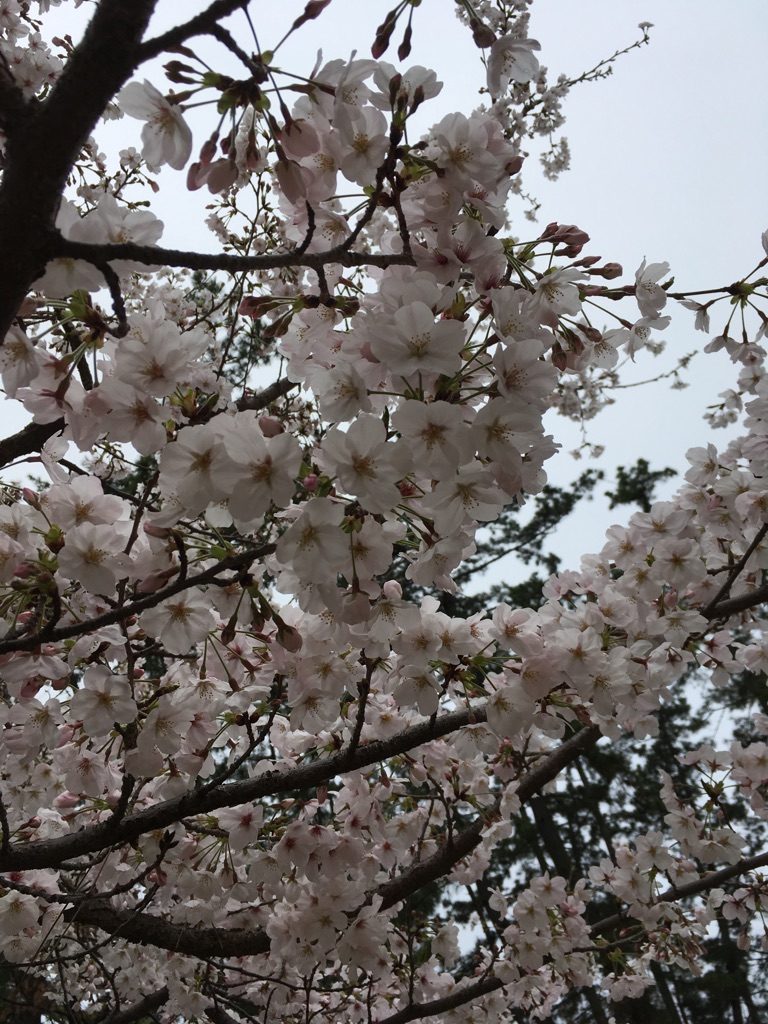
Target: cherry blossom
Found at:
511, 60
252, 704
166, 137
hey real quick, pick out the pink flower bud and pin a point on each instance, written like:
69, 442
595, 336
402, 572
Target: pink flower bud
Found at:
197, 175
270, 426
289, 638
291, 180
587, 261
157, 531
208, 150
310, 482
254, 160
155, 581
392, 590
609, 271
355, 608
66, 733
31, 497
66, 800
221, 174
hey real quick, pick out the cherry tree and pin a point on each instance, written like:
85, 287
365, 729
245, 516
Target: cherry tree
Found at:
254, 747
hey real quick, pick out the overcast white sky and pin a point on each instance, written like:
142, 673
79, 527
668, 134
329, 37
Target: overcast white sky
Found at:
668, 163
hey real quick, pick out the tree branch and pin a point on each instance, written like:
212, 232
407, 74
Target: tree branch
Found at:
148, 929
733, 575
137, 1011
679, 892
241, 561
39, 159
200, 25
54, 852
14, 108
219, 1015
156, 256
740, 603
460, 997
30, 439
270, 394
440, 863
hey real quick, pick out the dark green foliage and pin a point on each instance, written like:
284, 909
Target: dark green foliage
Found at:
525, 537
635, 486
134, 482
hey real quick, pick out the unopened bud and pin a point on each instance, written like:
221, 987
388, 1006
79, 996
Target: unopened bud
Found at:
514, 165
591, 333
392, 590
54, 539
66, 800
394, 88
221, 175
163, 532
482, 35
289, 638
155, 581
609, 271
270, 426
197, 174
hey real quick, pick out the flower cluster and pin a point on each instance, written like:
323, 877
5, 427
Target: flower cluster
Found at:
245, 718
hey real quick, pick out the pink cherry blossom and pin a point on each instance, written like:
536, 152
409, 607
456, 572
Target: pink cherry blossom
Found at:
166, 137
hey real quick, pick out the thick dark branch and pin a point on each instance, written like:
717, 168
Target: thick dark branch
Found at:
740, 603
200, 25
734, 573
460, 997
138, 1011
150, 930
241, 561
270, 394
219, 1015
155, 256
39, 159
147, 929
440, 863
30, 439
14, 109
53, 852
549, 767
